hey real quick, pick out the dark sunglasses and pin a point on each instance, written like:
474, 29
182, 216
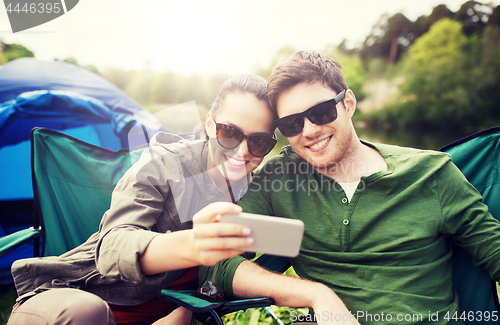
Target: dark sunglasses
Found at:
319, 114
230, 137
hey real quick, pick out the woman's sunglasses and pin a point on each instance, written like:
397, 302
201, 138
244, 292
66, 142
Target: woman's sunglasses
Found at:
230, 137
319, 114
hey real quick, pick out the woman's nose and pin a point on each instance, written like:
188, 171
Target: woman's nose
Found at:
242, 148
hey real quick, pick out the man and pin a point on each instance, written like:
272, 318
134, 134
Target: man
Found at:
378, 218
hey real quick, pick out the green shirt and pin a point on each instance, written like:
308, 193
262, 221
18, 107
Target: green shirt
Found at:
386, 253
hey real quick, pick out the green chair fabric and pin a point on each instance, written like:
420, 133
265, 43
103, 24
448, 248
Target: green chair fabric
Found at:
12, 241
186, 299
72, 185
477, 156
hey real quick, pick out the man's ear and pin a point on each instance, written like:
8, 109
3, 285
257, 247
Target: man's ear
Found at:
349, 103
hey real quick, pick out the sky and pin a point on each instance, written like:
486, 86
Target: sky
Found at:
186, 36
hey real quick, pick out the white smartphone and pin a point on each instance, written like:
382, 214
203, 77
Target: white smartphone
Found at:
272, 235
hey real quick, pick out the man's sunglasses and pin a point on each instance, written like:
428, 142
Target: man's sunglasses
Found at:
319, 114
230, 137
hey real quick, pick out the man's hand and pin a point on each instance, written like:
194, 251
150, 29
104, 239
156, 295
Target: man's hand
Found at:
252, 281
329, 308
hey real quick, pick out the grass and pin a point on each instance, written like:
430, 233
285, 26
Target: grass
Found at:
260, 316
8, 296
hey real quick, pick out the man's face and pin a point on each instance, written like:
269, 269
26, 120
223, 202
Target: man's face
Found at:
320, 145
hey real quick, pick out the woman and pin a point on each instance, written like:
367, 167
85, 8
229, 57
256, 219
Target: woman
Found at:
147, 240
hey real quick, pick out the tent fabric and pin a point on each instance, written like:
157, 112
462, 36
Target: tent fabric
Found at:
477, 156
28, 74
64, 97
61, 110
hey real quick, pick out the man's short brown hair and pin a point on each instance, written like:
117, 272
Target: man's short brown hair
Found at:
304, 66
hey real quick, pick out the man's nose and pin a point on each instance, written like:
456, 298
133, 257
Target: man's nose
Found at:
310, 129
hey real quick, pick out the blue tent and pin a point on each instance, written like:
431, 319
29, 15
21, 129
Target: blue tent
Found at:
63, 97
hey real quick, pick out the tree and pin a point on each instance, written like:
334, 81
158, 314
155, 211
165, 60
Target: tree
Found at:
436, 82
484, 76
439, 12
139, 86
352, 69
495, 17
167, 88
71, 60
118, 76
3, 59
195, 88
474, 16
282, 53
389, 38
13, 51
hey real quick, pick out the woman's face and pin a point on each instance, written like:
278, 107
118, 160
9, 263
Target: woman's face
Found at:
250, 116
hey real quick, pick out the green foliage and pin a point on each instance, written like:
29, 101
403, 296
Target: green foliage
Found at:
352, 66
451, 81
139, 86
74, 61
166, 88
3, 59
92, 69
473, 16
11, 52
435, 85
71, 60
354, 72
389, 38
118, 76
148, 87
282, 53
8, 297
260, 316
392, 36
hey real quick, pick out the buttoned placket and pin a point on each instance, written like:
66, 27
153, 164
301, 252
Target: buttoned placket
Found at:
345, 228
347, 211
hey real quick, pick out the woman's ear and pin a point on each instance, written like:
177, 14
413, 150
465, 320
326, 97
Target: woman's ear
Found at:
349, 103
209, 123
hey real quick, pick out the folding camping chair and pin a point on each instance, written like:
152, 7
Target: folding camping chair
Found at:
478, 157
72, 185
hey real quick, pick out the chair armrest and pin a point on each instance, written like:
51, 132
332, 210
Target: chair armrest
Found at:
12, 241
185, 299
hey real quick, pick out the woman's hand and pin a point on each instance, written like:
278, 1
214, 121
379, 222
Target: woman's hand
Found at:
213, 241
207, 243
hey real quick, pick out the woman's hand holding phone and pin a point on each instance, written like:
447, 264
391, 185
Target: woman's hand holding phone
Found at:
214, 241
